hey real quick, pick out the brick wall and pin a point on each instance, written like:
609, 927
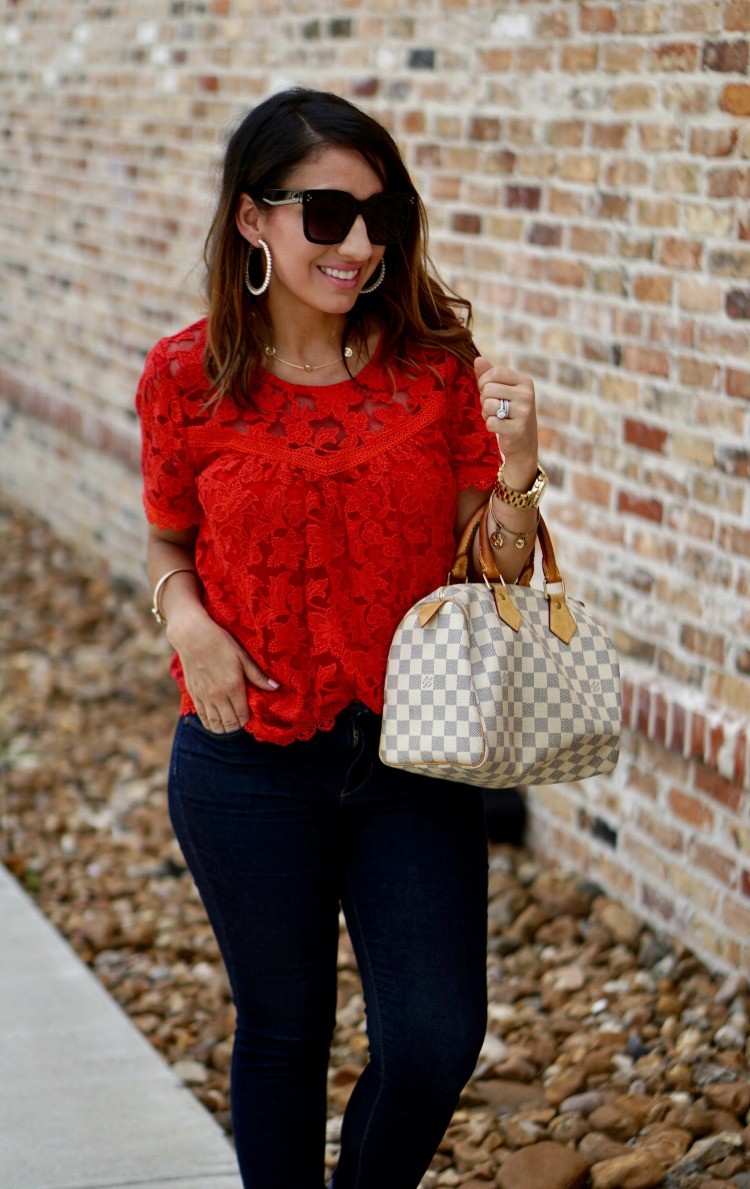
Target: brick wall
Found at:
587, 172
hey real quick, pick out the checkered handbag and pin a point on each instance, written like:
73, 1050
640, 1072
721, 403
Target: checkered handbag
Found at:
500, 686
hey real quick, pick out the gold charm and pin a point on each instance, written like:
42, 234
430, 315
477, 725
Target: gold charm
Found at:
497, 540
521, 539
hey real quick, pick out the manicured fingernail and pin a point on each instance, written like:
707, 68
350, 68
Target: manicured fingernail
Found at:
273, 684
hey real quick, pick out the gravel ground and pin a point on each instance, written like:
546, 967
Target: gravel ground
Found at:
613, 1059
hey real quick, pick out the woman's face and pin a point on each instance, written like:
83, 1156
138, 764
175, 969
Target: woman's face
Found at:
325, 278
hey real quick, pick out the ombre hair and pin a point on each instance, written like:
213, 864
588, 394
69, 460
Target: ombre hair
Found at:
413, 307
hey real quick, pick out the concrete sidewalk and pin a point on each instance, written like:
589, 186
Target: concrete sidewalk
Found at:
85, 1102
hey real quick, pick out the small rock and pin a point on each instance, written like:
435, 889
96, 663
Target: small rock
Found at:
731, 1035
192, 1073
564, 1085
615, 1123
668, 1145
624, 925
584, 1103
712, 1149
637, 1170
568, 1128
729, 1096
596, 1146
545, 1164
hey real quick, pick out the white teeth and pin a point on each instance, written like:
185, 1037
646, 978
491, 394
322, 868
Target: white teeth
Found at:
340, 274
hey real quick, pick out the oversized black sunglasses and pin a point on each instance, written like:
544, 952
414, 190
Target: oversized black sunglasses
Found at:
328, 215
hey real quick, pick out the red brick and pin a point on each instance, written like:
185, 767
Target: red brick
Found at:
555, 25
651, 287
705, 644
708, 780
699, 296
737, 304
660, 720
609, 136
661, 138
622, 55
546, 234
738, 383
677, 731
597, 18
735, 539
577, 59
623, 173
566, 133
484, 128
566, 272
729, 183
632, 97
497, 59
708, 858
674, 56
526, 198
713, 142
731, 263
591, 490
467, 223
611, 206
727, 56
657, 902
646, 437
698, 373
680, 253
588, 240
735, 98
648, 509
737, 17
645, 359
691, 809
642, 18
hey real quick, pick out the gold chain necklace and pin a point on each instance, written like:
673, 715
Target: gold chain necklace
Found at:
308, 367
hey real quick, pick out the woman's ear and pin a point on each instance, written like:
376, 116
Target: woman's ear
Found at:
247, 217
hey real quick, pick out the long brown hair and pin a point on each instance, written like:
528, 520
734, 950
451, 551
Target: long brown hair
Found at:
413, 306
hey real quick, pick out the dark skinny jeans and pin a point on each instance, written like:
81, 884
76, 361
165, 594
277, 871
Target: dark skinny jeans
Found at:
276, 839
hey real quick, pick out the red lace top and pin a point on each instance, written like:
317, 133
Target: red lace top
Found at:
322, 514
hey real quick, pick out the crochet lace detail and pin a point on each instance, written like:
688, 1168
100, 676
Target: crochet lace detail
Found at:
323, 513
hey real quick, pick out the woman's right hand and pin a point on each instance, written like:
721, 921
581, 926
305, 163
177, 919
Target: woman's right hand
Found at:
216, 670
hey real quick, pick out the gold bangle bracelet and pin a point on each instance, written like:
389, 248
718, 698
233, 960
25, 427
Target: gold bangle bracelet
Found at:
155, 608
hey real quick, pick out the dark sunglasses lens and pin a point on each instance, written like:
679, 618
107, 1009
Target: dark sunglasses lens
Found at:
328, 216
387, 217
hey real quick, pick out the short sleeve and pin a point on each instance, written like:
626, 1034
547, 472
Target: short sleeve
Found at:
474, 451
170, 495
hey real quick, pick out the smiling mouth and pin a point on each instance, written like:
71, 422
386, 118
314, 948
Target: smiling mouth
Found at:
340, 274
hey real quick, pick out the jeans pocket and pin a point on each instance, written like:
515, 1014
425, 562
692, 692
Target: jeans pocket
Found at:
192, 720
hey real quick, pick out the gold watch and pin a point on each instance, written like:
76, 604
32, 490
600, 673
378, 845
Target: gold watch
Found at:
521, 499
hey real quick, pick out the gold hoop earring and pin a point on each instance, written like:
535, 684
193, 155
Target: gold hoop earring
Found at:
381, 278
269, 265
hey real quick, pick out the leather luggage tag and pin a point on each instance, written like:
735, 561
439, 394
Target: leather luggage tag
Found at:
506, 608
561, 622
427, 610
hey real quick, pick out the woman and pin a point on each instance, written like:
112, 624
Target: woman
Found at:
310, 451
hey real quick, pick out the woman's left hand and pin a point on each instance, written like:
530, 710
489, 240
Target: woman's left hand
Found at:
518, 430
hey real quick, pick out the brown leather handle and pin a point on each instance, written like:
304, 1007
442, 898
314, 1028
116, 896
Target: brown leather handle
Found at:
460, 568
